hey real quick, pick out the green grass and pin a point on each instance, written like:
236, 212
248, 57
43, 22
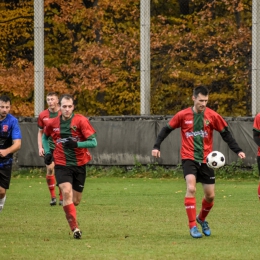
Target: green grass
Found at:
129, 218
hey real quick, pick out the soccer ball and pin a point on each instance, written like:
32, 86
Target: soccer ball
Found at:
215, 160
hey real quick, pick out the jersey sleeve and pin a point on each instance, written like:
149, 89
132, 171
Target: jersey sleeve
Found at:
175, 121
86, 128
219, 123
46, 130
16, 132
256, 125
40, 122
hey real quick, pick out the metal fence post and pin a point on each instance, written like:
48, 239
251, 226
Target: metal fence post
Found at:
38, 56
145, 57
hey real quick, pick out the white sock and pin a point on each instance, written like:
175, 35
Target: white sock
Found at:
2, 203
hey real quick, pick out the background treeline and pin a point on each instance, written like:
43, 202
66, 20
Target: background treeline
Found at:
92, 50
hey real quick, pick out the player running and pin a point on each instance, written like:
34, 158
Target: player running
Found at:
10, 142
72, 134
256, 137
52, 111
197, 124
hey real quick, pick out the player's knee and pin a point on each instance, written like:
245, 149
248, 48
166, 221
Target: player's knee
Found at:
76, 203
210, 197
50, 172
191, 189
2, 192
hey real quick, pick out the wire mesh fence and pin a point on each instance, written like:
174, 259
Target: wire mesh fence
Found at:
135, 57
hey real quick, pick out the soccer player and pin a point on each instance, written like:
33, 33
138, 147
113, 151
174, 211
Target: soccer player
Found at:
72, 134
10, 142
256, 137
52, 111
197, 124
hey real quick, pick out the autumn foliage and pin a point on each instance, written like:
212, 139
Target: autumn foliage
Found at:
92, 50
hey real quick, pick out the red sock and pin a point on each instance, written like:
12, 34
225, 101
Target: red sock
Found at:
71, 215
60, 193
190, 206
259, 191
51, 184
205, 209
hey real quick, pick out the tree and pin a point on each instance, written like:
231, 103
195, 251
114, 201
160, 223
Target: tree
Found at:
92, 51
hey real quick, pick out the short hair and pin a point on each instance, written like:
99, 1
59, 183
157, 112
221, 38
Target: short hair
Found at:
66, 96
200, 90
52, 94
5, 98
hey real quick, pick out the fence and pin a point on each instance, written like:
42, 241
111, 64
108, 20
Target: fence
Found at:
118, 63
129, 140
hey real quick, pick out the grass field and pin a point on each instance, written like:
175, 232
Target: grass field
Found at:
129, 218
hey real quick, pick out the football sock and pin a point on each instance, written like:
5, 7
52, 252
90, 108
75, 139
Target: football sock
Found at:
71, 215
190, 206
60, 193
205, 209
51, 185
2, 203
259, 191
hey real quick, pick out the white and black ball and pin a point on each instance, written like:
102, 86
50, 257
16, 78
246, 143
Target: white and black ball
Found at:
215, 160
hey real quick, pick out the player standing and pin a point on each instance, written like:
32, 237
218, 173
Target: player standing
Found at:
197, 124
10, 142
72, 134
52, 111
256, 137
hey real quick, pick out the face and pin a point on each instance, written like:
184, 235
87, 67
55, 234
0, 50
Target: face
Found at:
4, 109
66, 108
53, 103
200, 103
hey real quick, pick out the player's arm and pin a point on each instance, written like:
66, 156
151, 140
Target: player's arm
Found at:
45, 144
230, 140
90, 142
165, 131
40, 146
256, 136
12, 149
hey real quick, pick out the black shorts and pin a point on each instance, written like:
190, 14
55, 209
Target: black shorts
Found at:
76, 175
202, 172
258, 164
5, 176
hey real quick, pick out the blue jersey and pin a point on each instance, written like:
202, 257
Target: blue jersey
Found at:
9, 131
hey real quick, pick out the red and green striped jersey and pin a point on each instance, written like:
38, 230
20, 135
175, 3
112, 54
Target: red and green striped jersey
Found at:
43, 119
44, 116
256, 126
78, 127
197, 132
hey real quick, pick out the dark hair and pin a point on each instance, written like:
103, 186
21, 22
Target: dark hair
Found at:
66, 96
200, 90
5, 98
52, 94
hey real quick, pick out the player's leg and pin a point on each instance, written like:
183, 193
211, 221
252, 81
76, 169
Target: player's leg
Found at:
5, 178
207, 178
64, 178
79, 177
51, 182
258, 164
61, 197
2, 198
77, 196
189, 171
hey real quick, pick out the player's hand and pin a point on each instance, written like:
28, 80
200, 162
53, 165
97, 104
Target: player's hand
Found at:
241, 155
156, 153
41, 152
48, 158
70, 143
